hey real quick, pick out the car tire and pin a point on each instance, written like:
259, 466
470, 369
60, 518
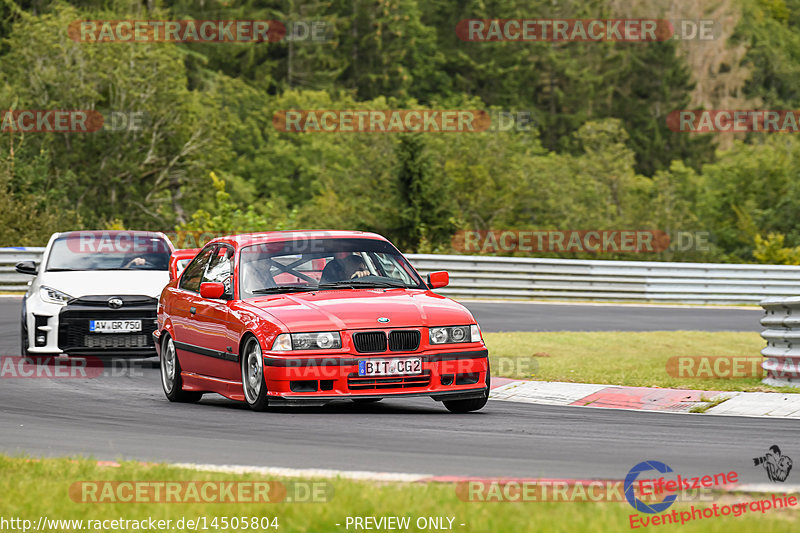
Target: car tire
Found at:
23, 327
23, 350
171, 375
253, 385
474, 404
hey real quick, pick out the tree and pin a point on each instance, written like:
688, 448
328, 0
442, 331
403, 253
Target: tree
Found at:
140, 173
650, 81
427, 215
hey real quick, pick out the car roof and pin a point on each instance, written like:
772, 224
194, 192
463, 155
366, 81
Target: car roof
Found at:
185, 252
247, 239
110, 232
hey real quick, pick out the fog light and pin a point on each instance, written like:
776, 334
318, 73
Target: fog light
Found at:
303, 386
40, 330
467, 379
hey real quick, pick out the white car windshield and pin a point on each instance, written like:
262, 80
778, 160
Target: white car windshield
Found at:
103, 251
323, 264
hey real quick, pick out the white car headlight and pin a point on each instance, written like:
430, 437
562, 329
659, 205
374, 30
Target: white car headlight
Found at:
53, 296
454, 334
322, 340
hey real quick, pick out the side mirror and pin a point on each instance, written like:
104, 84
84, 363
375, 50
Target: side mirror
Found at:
438, 279
212, 290
27, 267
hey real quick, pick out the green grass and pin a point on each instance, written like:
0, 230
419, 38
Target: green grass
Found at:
708, 403
621, 358
34, 488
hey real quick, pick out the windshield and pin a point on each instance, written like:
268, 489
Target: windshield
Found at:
109, 252
323, 264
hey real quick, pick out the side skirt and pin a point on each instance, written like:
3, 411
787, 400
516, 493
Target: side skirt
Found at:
229, 389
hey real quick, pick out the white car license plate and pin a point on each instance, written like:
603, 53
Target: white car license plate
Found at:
389, 367
115, 326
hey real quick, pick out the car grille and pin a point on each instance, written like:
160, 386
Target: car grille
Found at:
404, 341
356, 382
370, 341
127, 301
73, 325
376, 341
117, 340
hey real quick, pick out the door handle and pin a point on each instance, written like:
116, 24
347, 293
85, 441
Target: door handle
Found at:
193, 310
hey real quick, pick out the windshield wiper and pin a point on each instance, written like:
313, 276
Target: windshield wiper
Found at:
65, 270
279, 290
359, 284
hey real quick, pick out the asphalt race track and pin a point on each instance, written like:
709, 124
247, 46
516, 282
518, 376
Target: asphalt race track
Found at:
501, 316
123, 414
129, 417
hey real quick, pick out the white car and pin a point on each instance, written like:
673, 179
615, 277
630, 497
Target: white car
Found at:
95, 293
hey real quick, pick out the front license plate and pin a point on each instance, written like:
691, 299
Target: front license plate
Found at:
115, 326
390, 367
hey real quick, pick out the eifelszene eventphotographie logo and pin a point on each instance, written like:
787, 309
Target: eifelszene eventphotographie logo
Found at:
630, 481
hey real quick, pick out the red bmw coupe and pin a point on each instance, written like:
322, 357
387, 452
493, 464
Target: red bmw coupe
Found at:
308, 317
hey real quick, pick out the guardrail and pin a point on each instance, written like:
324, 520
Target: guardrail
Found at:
782, 353
565, 279
10, 280
643, 281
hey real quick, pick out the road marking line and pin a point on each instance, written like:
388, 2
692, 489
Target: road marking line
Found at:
422, 478
307, 472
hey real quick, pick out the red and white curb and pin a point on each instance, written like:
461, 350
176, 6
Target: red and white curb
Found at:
757, 404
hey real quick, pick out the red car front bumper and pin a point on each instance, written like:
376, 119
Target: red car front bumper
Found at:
446, 375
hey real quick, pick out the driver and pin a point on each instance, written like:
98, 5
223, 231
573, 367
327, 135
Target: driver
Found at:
343, 267
136, 261
354, 266
152, 261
